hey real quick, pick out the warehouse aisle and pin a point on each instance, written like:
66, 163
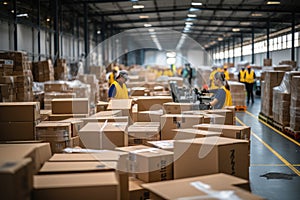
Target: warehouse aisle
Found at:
274, 159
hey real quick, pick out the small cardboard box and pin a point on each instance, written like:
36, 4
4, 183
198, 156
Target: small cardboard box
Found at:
125, 105
70, 106
16, 177
38, 152
19, 111
146, 103
149, 116
201, 187
190, 133
211, 155
174, 121
73, 186
54, 131
230, 131
17, 131
96, 135
149, 164
177, 108
140, 135
228, 114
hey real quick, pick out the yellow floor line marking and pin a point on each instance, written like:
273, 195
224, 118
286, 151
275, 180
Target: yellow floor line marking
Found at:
272, 165
272, 150
274, 129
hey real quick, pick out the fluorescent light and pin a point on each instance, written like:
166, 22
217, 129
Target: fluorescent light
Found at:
22, 15
151, 29
188, 23
138, 6
191, 15
196, 4
245, 23
147, 25
194, 9
220, 39
235, 29
143, 16
98, 32
171, 54
48, 19
256, 14
5, 3
273, 2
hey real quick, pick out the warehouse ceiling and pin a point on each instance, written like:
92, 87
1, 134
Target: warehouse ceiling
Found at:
208, 22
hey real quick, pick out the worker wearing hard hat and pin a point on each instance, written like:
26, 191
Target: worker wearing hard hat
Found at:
118, 89
249, 82
242, 74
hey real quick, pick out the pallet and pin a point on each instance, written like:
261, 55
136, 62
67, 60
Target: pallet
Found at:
241, 108
278, 126
292, 133
265, 118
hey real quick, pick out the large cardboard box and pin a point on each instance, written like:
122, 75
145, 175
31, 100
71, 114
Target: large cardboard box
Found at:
96, 135
146, 103
16, 179
230, 131
211, 155
149, 164
214, 186
178, 108
75, 186
190, 133
19, 111
17, 131
70, 106
140, 135
38, 152
149, 116
174, 121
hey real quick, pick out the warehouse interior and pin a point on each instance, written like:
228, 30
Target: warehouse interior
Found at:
63, 136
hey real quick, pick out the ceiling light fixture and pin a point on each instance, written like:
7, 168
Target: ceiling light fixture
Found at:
245, 23
98, 32
22, 15
191, 15
143, 16
151, 29
235, 29
197, 4
147, 25
5, 3
189, 23
220, 39
138, 6
273, 2
193, 9
48, 19
256, 14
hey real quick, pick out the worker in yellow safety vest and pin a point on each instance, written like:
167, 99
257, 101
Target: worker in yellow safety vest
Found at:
226, 73
118, 89
249, 82
222, 96
242, 74
212, 76
112, 75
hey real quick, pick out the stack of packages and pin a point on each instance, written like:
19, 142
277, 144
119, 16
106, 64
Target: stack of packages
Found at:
282, 99
92, 80
295, 104
43, 71
272, 79
21, 77
7, 89
61, 70
238, 93
289, 62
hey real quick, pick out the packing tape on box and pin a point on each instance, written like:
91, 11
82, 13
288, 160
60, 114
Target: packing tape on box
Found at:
217, 194
101, 133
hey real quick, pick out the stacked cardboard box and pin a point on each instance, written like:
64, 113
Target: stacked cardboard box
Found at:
282, 99
272, 79
146, 103
61, 70
140, 134
238, 93
288, 62
295, 104
7, 88
18, 120
43, 71
21, 78
49, 96
267, 62
92, 80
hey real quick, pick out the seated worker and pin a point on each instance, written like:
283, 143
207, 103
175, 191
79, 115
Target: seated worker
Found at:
222, 96
118, 89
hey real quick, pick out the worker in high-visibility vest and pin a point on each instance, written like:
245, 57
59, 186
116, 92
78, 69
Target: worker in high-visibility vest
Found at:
226, 73
118, 89
249, 83
242, 74
112, 75
222, 96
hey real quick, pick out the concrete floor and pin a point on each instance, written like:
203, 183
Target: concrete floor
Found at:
274, 158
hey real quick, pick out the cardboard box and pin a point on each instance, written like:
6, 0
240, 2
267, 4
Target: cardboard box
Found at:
116, 119
140, 135
177, 108
146, 103
76, 125
16, 178
57, 86
70, 106
230, 131
19, 111
149, 116
73, 186
211, 155
54, 131
101, 106
59, 146
149, 164
167, 145
136, 191
174, 121
201, 187
108, 113
96, 135
58, 117
125, 105
190, 133
228, 114
38, 152
213, 119
17, 131
146, 124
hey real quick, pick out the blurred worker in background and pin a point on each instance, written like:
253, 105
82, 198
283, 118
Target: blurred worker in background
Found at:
249, 82
222, 96
118, 89
112, 75
188, 73
212, 76
226, 73
242, 74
